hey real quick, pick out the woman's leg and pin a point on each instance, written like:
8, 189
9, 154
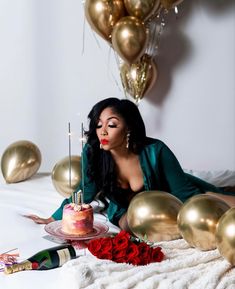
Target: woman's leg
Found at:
230, 200
226, 194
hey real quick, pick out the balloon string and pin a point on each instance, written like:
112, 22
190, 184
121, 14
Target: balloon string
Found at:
106, 63
118, 67
115, 81
118, 62
155, 33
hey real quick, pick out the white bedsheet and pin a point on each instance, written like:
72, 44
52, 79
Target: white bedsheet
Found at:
38, 196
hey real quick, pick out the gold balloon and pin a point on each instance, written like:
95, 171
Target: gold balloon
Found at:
169, 4
225, 236
138, 78
129, 38
65, 180
20, 161
198, 218
103, 14
153, 215
141, 9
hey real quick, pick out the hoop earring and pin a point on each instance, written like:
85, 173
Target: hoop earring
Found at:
101, 147
127, 140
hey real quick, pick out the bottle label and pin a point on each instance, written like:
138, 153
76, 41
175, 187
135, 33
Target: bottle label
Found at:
64, 256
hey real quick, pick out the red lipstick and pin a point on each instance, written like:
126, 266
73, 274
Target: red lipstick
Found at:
104, 141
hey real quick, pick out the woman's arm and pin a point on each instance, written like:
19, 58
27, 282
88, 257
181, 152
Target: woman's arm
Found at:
39, 220
177, 181
89, 192
57, 215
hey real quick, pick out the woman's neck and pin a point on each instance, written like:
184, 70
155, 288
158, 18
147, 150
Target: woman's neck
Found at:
122, 153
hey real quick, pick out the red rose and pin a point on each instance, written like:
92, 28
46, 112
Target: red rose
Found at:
123, 234
121, 240
94, 246
105, 255
120, 260
135, 261
145, 253
118, 253
121, 249
144, 248
132, 251
157, 255
106, 244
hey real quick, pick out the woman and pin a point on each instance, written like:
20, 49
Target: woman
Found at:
120, 161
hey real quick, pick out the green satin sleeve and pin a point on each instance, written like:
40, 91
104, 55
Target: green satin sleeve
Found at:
57, 215
178, 183
162, 171
115, 212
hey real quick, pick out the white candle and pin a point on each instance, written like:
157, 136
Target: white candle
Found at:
82, 192
70, 184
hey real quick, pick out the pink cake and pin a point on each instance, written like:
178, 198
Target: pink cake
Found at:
77, 219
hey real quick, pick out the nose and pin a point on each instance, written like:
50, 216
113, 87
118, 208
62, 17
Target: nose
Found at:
104, 132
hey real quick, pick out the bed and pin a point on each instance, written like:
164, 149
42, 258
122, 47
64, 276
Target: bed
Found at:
183, 267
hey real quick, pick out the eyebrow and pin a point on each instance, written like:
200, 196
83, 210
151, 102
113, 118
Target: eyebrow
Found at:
111, 117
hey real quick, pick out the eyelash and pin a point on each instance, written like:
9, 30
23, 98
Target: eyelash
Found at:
110, 125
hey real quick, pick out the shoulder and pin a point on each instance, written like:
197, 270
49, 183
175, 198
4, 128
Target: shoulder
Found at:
152, 151
155, 147
153, 144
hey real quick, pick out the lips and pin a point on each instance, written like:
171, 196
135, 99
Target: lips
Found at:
104, 141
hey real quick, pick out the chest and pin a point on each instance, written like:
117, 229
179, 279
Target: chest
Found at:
130, 175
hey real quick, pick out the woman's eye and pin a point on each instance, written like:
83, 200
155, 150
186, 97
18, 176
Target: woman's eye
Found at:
112, 125
99, 125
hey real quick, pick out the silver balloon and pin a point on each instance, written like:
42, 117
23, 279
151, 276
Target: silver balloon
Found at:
153, 215
65, 178
20, 161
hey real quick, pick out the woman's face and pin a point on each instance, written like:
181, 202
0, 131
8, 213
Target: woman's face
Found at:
111, 130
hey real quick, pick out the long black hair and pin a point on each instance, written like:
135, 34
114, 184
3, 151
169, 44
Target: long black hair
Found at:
101, 166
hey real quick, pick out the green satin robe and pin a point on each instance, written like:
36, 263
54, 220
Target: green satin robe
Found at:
161, 171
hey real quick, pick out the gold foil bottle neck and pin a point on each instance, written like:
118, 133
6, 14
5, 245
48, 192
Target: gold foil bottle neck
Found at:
26, 265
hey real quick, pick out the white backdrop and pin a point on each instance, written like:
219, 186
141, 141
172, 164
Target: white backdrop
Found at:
52, 71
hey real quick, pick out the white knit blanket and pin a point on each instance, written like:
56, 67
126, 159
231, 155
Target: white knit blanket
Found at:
183, 267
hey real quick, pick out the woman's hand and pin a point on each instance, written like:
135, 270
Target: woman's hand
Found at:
39, 220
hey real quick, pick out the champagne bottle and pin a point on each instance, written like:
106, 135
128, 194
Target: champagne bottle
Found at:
44, 260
